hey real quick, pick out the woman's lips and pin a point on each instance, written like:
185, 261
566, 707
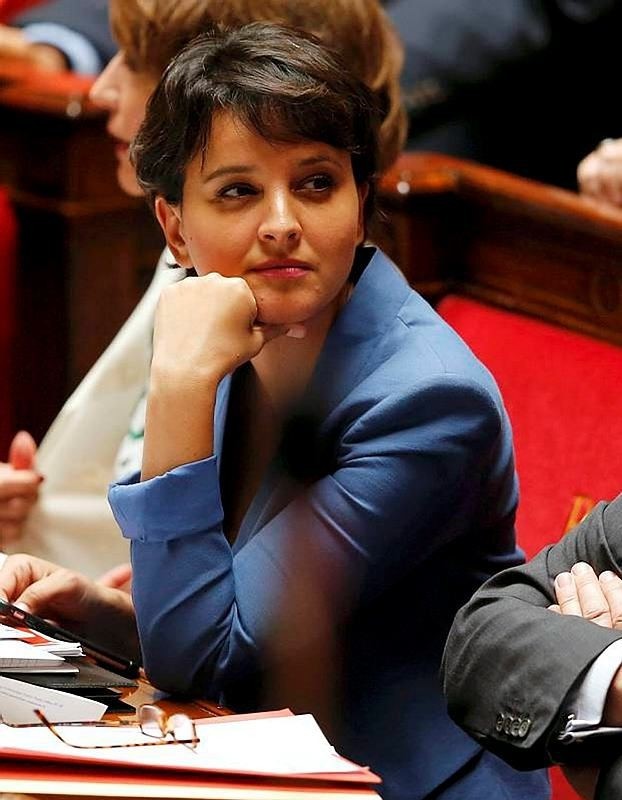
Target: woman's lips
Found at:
286, 269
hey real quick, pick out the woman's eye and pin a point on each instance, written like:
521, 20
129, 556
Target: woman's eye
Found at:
236, 191
318, 183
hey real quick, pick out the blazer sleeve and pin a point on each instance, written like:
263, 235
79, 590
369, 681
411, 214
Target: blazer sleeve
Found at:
509, 663
407, 472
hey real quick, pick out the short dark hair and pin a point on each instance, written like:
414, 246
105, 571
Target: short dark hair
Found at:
278, 81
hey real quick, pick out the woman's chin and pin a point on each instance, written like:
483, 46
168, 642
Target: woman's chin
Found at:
126, 178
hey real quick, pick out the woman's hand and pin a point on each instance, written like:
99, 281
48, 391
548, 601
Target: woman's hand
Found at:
19, 486
600, 173
92, 610
205, 327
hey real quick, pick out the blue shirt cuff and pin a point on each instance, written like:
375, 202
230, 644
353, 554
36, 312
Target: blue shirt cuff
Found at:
169, 506
83, 58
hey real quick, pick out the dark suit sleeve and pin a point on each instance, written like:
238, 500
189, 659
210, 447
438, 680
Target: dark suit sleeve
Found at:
509, 663
86, 17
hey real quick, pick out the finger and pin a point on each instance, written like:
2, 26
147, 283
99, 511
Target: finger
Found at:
266, 333
18, 483
298, 331
16, 511
611, 585
22, 451
57, 595
9, 532
594, 605
117, 578
20, 571
554, 607
566, 594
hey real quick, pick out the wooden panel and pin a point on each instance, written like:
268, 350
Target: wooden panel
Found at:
86, 250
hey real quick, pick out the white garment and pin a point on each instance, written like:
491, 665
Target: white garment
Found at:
71, 524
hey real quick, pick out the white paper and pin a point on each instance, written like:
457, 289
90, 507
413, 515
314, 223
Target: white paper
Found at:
16, 653
18, 699
7, 632
276, 745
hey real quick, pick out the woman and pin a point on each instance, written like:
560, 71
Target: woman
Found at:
98, 434
323, 455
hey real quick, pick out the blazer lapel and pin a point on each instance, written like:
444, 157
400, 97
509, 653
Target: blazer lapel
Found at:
351, 351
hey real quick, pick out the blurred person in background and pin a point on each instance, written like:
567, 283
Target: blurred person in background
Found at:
98, 434
60, 35
522, 85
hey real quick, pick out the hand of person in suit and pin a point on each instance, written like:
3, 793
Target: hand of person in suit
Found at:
598, 598
599, 175
19, 486
15, 45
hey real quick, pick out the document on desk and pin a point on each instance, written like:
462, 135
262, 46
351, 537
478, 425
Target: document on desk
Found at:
265, 745
18, 699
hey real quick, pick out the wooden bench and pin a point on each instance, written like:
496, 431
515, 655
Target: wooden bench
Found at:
531, 277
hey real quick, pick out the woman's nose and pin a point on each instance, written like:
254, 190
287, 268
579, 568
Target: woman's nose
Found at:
104, 92
281, 225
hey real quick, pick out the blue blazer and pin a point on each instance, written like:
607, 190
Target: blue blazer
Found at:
394, 489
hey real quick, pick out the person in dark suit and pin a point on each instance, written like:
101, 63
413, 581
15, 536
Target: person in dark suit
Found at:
61, 34
537, 687
523, 85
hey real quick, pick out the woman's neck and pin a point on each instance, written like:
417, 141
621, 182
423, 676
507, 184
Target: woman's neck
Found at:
285, 365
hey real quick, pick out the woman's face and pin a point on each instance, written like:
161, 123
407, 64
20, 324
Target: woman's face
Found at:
285, 217
123, 93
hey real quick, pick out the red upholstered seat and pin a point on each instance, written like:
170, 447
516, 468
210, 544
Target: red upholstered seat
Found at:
561, 392
8, 235
560, 389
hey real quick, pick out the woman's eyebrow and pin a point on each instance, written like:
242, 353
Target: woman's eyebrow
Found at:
321, 159
227, 170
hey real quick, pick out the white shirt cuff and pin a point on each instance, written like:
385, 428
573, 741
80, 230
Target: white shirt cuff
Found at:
586, 701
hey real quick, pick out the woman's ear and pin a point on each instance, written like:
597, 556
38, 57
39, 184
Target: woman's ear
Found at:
363, 191
169, 217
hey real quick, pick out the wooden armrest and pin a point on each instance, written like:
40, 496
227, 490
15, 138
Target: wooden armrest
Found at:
457, 226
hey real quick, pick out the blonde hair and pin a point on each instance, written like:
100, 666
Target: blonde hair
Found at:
151, 32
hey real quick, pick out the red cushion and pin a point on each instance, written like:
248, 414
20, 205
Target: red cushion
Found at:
560, 390
8, 236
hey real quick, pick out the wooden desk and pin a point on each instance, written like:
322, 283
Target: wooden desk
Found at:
58, 781
86, 250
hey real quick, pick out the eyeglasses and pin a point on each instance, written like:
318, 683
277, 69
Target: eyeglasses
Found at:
152, 721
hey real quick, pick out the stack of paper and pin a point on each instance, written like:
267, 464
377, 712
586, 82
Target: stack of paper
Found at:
41, 640
16, 655
278, 744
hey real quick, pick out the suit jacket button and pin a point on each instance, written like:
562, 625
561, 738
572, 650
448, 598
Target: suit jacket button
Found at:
523, 728
515, 729
507, 724
499, 722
